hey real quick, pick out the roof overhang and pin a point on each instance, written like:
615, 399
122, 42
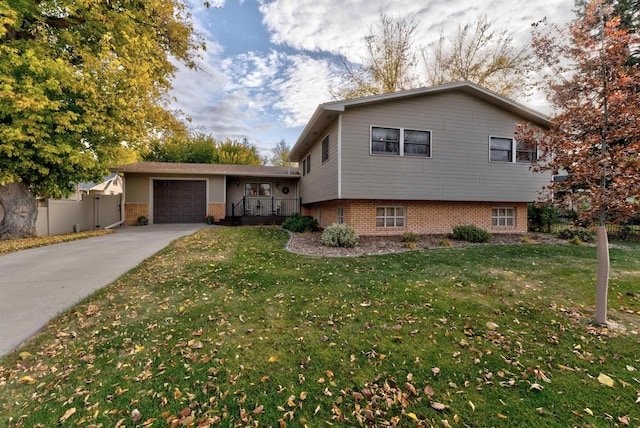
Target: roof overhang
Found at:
166, 169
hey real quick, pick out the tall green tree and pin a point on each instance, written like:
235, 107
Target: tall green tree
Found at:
238, 153
388, 64
78, 78
280, 154
193, 148
594, 137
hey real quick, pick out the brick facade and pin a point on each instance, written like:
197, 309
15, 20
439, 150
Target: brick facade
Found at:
134, 210
218, 211
422, 217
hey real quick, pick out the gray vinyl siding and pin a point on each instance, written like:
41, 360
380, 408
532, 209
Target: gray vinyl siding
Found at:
459, 167
321, 183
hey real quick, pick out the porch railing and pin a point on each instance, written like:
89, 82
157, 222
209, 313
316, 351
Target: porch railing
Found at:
265, 206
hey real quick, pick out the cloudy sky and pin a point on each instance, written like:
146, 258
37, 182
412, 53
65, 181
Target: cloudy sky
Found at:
269, 63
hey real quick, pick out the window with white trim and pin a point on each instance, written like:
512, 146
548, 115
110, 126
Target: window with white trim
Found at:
400, 142
503, 217
257, 189
506, 149
340, 215
325, 149
390, 216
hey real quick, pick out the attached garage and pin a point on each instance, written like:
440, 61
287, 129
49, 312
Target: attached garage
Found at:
179, 201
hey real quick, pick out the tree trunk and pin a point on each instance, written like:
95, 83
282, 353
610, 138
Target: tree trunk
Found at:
20, 211
603, 276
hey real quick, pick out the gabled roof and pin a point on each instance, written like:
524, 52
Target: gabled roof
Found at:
90, 185
327, 112
206, 169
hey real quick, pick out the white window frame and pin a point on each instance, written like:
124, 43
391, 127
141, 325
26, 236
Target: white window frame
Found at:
391, 221
514, 151
340, 215
503, 217
401, 142
259, 187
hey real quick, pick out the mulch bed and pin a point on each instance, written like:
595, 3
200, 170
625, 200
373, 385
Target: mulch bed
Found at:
309, 243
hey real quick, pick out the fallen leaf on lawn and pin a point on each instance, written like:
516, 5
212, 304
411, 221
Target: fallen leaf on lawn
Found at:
303, 395
273, 359
473, 406
445, 423
67, 414
501, 416
630, 368
24, 355
258, 410
329, 374
263, 379
135, 415
428, 390
624, 420
536, 387
492, 325
589, 411
27, 379
435, 370
412, 416
605, 380
438, 406
291, 401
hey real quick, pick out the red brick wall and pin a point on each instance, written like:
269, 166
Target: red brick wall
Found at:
132, 211
422, 217
218, 211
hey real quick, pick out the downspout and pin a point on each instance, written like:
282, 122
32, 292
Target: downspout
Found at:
340, 156
121, 207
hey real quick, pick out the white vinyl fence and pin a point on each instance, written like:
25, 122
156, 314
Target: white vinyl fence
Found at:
61, 216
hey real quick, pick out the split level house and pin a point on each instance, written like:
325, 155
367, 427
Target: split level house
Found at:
420, 161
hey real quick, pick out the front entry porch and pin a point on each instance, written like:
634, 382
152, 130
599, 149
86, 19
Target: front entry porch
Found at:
260, 210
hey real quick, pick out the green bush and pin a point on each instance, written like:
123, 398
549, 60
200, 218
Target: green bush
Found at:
299, 223
582, 233
471, 233
339, 235
444, 243
541, 217
143, 221
409, 237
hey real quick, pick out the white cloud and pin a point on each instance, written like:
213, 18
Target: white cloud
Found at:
303, 86
251, 70
339, 27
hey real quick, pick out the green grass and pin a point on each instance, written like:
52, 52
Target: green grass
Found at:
226, 327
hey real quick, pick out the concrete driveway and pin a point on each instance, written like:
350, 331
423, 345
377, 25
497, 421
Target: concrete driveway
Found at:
39, 283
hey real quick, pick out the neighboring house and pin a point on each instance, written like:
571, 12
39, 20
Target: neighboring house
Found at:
112, 185
185, 193
419, 161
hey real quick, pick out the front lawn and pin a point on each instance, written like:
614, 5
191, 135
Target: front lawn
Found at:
226, 327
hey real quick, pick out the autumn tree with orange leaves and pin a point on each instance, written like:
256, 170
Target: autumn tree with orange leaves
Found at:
594, 136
